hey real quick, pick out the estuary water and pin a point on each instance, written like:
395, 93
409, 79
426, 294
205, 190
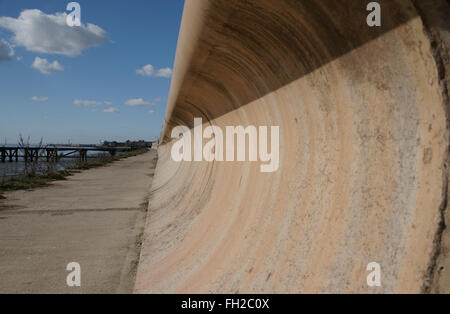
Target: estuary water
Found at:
19, 168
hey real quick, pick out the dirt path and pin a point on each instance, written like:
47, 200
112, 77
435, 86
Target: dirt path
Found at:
95, 218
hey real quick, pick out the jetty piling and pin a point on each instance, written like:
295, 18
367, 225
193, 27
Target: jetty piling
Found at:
51, 154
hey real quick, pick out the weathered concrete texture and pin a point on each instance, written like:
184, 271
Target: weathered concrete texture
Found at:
364, 146
435, 15
440, 281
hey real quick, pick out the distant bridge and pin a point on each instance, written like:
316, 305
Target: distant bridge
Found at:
54, 153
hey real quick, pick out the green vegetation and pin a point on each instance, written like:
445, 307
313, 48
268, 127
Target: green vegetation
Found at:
31, 182
36, 181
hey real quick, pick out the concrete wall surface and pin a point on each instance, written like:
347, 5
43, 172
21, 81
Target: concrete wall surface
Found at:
363, 176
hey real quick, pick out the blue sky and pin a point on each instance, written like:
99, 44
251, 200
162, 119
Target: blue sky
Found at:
87, 83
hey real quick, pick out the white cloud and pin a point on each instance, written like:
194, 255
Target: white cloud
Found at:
86, 103
151, 112
111, 110
166, 72
109, 103
45, 67
157, 99
35, 98
138, 102
49, 33
6, 51
149, 70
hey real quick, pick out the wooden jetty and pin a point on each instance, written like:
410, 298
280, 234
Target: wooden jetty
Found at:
54, 153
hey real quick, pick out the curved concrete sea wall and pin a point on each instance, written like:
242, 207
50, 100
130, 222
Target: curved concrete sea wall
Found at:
363, 151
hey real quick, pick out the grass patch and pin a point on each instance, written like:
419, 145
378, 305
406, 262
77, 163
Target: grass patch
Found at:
32, 182
25, 183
